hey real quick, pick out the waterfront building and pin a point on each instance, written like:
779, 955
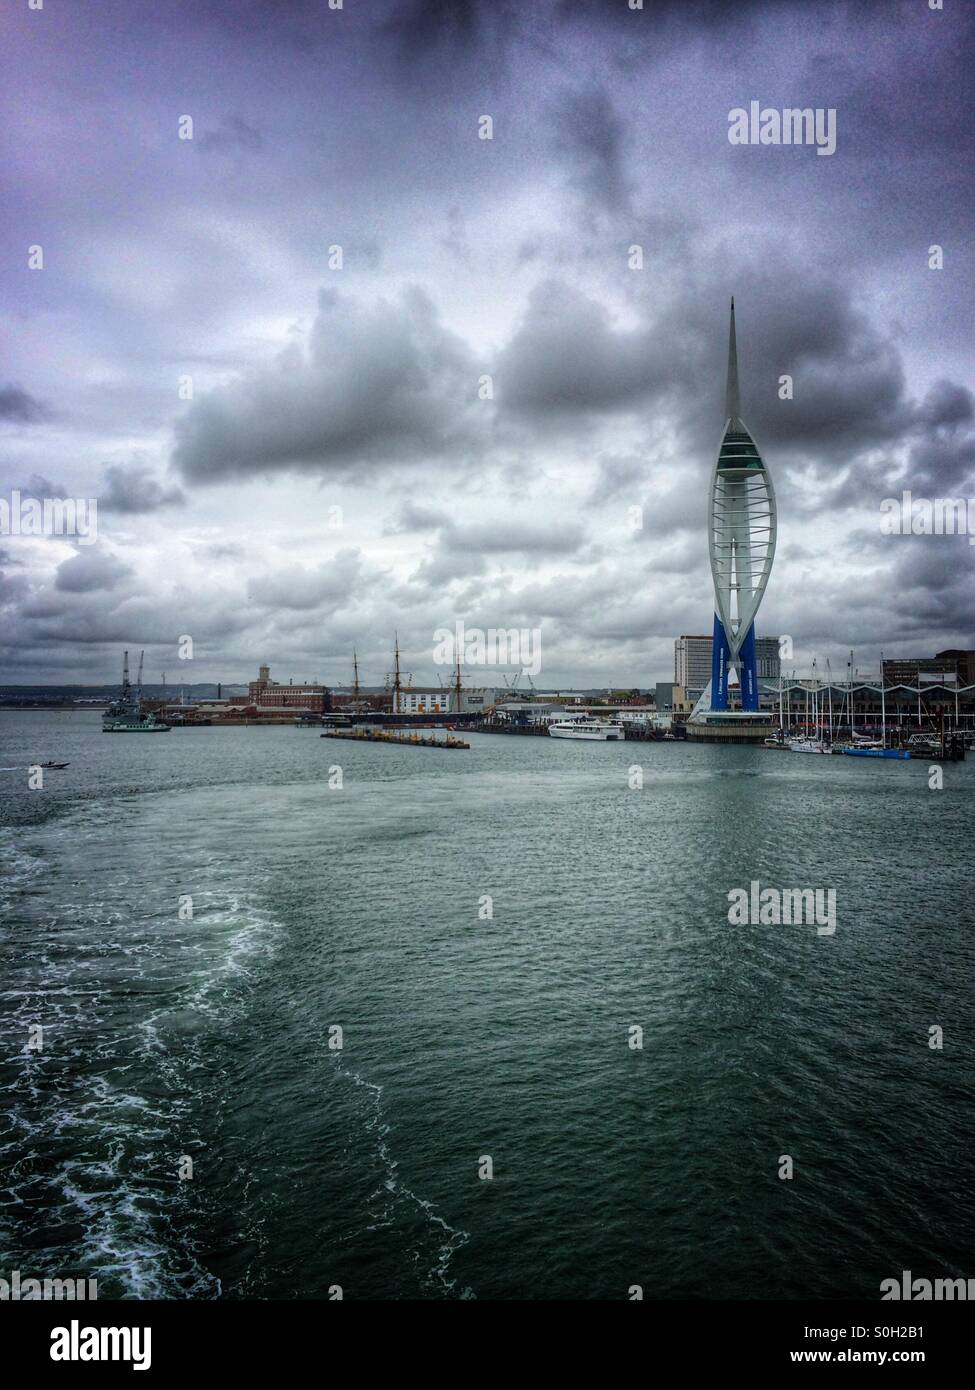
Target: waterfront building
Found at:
964, 664
692, 662
473, 699
422, 699
638, 716
768, 657
908, 707
920, 670
430, 699
671, 698
264, 692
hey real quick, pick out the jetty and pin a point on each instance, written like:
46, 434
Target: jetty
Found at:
381, 736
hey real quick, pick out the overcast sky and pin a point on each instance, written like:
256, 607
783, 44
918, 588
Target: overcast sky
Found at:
336, 474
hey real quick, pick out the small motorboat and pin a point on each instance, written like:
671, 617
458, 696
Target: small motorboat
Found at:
51, 764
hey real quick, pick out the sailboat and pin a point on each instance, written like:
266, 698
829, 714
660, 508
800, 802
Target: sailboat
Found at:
816, 744
808, 745
862, 750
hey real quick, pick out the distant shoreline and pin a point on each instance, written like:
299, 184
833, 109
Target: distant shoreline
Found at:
55, 709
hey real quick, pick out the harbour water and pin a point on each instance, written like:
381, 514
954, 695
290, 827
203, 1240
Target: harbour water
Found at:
169, 1037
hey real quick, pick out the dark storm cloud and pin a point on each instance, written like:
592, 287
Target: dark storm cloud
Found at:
13, 588
439, 33
937, 460
933, 578
39, 486
383, 384
134, 490
44, 605
300, 588
387, 386
942, 466
20, 406
848, 380
462, 550
589, 139
672, 506
618, 475
947, 404
414, 516
127, 617
925, 115
569, 362
847, 376
567, 359
89, 570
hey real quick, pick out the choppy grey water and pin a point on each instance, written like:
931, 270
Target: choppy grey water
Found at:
167, 1037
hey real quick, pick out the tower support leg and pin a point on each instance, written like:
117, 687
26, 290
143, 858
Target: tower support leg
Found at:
720, 661
748, 671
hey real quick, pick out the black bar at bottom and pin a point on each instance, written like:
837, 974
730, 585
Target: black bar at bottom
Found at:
194, 1338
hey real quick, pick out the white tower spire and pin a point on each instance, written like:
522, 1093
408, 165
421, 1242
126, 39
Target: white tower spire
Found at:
732, 401
741, 518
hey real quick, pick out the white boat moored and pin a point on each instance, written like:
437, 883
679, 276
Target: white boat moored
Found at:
808, 745
584, 726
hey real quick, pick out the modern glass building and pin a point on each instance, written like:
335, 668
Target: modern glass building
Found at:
692, 662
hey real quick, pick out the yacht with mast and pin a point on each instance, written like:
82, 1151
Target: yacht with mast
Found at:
814, 744
861, 749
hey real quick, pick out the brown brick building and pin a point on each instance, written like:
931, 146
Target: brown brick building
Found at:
267, 694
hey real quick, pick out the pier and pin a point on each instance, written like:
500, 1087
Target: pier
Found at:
381, 736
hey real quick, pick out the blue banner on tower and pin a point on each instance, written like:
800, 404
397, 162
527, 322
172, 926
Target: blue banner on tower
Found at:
720, 657
748, 671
